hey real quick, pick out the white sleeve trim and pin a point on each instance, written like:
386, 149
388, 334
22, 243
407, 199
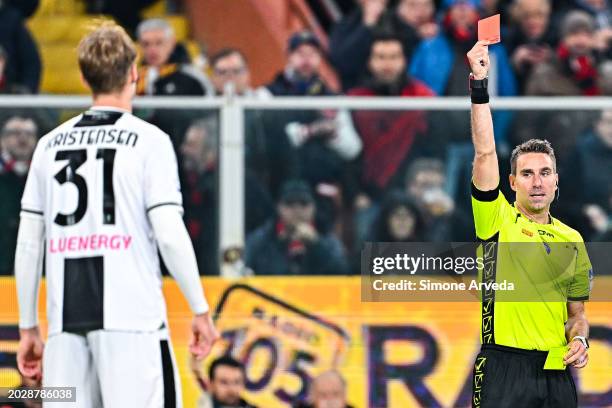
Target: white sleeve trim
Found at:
28, 267
176, 250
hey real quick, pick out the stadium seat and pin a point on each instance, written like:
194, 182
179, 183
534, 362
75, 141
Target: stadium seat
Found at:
58, 26
64, 29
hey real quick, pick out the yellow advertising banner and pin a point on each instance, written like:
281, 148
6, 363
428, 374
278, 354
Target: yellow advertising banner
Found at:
288, 329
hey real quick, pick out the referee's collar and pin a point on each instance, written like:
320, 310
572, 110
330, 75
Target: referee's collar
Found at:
519, 214
108, 108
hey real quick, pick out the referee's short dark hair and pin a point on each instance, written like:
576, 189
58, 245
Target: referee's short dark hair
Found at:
532, 146
225, 360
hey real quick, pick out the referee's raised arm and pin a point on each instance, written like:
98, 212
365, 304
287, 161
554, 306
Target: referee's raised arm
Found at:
485, 173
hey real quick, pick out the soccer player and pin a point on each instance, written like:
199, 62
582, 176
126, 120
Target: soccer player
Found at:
101, 197
516, 336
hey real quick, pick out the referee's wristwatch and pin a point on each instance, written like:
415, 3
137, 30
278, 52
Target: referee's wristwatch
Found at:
583, 340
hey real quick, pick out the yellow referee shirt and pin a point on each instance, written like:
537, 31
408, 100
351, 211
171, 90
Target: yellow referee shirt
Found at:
548, 262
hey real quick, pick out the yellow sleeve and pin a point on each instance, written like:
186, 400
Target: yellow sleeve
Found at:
580, 288
489, 208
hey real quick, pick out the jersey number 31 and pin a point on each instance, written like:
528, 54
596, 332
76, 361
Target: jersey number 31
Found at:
68, 174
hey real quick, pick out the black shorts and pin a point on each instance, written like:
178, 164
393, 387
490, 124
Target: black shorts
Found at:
510, 377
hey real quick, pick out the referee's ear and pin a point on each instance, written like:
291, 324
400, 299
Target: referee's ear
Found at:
512, 179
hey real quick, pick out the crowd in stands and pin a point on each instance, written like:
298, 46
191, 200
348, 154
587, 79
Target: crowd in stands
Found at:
319, 183
224, 387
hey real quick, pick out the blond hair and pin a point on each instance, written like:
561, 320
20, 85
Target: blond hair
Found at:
106, 55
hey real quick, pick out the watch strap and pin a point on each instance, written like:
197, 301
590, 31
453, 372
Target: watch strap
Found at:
583, 340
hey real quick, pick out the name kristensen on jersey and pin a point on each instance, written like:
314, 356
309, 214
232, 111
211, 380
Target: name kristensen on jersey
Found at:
93, 136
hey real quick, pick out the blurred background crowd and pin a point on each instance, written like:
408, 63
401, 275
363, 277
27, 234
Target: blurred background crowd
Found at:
319, 183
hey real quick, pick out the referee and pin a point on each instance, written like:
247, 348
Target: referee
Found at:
517, 336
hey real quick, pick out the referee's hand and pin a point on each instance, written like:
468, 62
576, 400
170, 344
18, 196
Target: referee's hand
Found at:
577, 355
204, 335
478, 58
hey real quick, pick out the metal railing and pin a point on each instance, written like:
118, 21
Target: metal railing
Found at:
232, 109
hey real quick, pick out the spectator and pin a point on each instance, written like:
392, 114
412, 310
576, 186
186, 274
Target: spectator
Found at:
199, 152
533, 38
22, 66
126, 12
167, 68
388, 137
291, 244
328, 390
425, 183
604, 78
573, 71
399, 220
301, 74
323, 142
199, 173
229, 66
600, 222
17, 142
351, 38
598, 9
587, 173
167, 71
269, 153
420, 15
7, 87
225, 386
440, 61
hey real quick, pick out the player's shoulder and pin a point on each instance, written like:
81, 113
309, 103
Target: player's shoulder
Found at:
569, 232
152, 137
69, 124
145, 127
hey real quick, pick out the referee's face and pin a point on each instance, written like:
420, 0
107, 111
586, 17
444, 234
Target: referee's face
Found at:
535, 181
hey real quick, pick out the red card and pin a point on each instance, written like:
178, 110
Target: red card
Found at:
488, 29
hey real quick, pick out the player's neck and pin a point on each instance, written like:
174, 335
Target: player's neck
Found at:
119, 101
542, 217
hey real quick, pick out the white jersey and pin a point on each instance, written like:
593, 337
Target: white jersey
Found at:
94, 178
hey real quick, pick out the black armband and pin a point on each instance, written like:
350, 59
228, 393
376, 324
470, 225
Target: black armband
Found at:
479, 91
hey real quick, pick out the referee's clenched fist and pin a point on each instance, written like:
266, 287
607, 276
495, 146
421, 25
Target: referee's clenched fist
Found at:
478, 58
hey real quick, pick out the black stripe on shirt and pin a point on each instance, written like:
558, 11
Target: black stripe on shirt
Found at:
578, 299
32, 211
162, 204
98, 118
486, 196
83, 299
489, 275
